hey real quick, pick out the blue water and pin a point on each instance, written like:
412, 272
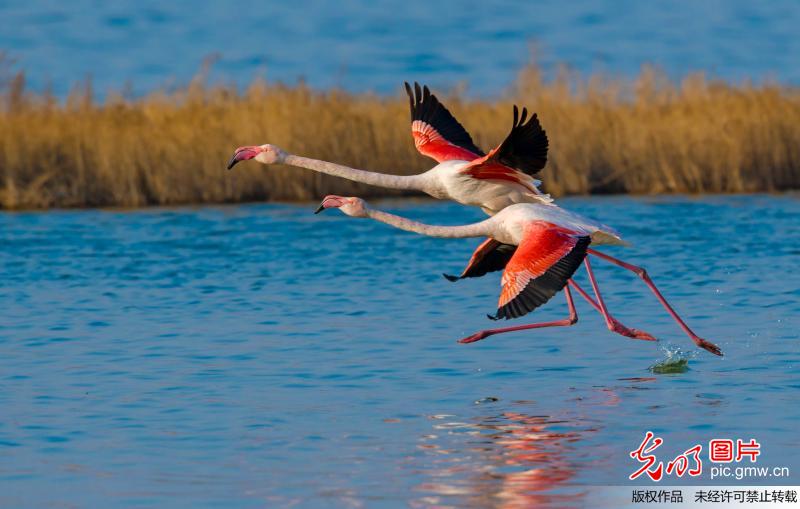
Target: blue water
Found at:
261, 356
366, 45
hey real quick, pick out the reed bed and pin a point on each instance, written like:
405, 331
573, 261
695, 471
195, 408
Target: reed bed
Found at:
646, 135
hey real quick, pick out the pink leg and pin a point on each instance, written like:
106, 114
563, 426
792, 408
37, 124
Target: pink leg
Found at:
611, 323
573, 317
702, 343
614, 325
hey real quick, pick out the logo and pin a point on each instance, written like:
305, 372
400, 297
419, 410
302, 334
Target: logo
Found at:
689, 462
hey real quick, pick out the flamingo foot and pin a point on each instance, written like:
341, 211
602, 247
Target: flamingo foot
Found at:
707, 345
629, 332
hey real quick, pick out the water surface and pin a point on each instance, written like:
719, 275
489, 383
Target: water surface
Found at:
367, 45
259, 356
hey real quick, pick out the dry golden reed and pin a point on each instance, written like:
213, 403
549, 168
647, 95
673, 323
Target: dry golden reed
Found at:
646, 135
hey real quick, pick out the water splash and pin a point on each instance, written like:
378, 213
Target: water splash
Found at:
675, 361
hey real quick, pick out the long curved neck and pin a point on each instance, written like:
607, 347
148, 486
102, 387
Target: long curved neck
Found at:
411, 182
482, 229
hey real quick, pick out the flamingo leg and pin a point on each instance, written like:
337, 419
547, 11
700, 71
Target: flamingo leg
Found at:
614, 325
573, 317
642, 273
585, 295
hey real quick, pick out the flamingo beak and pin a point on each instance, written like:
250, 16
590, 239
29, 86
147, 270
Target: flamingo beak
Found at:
242, 154
329, 202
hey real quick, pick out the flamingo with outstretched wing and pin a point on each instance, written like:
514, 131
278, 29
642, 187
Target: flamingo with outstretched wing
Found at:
551, 244
463, 174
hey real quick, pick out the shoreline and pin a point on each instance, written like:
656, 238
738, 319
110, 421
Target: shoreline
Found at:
404, 200
646, 136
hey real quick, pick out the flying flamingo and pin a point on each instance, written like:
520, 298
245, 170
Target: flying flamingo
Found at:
551, 245
464, 174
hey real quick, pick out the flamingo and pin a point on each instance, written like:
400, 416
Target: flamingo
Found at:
551, 244
464, 174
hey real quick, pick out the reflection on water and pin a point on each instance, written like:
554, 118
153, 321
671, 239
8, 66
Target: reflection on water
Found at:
516, 458
513, 459
507, 460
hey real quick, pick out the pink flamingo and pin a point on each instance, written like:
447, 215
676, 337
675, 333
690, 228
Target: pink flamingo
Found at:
464, 174
551, 243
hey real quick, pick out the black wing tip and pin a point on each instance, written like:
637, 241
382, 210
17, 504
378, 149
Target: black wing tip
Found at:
419, 92
410, 94
520, 118
526, 146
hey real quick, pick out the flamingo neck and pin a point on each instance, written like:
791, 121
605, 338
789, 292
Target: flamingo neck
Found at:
481, 229
409, 182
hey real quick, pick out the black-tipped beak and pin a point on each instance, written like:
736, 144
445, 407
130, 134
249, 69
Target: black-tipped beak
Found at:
320, 208
233, 161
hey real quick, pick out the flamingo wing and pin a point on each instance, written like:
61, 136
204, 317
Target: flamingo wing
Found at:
521, 155
545, 260
490, 256
437, 134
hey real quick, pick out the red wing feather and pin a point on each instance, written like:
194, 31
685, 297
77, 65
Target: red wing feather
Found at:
545, 260
437, 134
486, 169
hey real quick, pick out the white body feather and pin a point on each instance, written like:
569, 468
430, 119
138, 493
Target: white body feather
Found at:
512, 220
447, 181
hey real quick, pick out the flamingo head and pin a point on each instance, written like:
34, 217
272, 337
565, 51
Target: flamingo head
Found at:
351, 206
265, 154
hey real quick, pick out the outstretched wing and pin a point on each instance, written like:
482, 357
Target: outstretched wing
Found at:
490, 256
545, 260
521, 155
437, 134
